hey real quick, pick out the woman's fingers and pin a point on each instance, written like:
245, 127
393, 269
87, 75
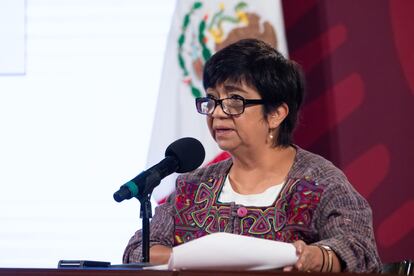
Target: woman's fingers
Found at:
309, 257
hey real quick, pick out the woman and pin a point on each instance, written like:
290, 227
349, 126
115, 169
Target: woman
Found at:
269, 188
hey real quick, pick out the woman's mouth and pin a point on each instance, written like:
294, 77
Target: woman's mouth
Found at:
223, 131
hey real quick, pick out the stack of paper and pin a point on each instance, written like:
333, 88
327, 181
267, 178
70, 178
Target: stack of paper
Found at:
226, 251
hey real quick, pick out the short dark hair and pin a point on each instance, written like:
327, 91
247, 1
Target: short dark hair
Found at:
257, 64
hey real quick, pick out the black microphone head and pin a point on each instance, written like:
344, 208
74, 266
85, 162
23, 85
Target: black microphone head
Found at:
189, 152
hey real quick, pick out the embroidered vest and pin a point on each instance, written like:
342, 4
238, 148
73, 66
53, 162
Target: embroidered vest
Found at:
198, 212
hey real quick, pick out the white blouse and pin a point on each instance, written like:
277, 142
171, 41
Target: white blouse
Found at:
264, 199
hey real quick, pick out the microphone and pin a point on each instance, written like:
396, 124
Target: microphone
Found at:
184, 155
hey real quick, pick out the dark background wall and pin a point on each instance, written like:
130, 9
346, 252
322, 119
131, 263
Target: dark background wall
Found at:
358, 57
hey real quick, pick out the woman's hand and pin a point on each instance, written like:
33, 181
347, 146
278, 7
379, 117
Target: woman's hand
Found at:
311, 258
160, 254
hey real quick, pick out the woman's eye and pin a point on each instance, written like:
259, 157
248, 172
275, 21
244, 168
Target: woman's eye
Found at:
235, 96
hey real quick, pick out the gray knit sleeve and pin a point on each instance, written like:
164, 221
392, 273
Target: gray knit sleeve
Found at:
344, 223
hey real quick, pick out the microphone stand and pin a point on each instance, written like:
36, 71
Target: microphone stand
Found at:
145, 214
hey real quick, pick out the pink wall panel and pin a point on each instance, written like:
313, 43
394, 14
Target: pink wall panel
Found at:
358, 57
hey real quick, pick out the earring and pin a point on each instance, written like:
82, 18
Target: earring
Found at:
271, 136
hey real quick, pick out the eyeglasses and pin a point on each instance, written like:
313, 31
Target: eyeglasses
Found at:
234, 105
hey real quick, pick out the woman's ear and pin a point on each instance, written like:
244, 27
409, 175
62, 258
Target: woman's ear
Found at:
276, 117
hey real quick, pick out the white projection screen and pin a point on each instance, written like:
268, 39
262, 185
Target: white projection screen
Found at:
75, 122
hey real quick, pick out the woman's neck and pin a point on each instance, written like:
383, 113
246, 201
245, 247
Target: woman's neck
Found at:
254, 173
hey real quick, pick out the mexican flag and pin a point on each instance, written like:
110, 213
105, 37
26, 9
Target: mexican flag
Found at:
198, 30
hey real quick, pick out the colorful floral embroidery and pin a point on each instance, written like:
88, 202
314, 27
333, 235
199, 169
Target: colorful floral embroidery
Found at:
198, 212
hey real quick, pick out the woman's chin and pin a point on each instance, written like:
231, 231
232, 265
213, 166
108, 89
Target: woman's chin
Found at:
225, 145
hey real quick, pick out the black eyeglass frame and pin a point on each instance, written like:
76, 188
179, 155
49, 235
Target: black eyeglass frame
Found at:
217, 102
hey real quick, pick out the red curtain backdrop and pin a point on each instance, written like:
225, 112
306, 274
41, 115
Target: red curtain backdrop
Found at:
358, 57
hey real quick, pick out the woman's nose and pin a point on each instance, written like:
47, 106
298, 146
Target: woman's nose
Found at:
218, 112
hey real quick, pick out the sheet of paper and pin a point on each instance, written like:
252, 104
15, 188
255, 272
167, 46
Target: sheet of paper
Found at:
157, 267
229, 251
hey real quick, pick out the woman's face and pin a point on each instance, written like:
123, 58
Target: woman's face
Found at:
248, 130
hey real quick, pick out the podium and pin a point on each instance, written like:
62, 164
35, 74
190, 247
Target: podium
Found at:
140, 272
